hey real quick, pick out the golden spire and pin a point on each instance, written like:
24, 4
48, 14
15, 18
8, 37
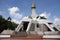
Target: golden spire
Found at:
33, 5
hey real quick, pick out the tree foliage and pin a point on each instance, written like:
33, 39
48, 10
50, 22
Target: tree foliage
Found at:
7, 24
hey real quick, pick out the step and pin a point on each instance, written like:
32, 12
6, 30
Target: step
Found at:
19, 34
51, 36
28, 37
5, 36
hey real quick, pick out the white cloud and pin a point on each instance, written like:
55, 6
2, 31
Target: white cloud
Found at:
17, 15
45, 14
16, 21
13, 10
57, 20
14, 13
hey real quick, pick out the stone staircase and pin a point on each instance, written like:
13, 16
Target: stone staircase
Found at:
24, 35
19, 34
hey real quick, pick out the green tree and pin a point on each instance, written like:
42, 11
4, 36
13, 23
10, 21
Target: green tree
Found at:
2, 23
14, 25
7, 24
11, 25
9, 18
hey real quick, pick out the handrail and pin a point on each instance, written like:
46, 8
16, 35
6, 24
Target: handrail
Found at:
50, 27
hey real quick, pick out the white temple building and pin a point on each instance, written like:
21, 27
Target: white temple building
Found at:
35, 24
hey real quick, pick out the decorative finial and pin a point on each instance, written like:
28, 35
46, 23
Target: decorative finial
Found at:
33, 5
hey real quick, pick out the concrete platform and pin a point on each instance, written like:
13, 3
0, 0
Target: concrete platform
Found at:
29, 37
51, 36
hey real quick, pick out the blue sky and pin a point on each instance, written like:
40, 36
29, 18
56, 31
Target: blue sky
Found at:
23, 8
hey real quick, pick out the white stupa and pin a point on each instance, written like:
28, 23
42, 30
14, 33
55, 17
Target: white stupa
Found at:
33, 15
35, 24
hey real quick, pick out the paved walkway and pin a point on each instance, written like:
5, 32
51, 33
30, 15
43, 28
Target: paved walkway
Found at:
28, 37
